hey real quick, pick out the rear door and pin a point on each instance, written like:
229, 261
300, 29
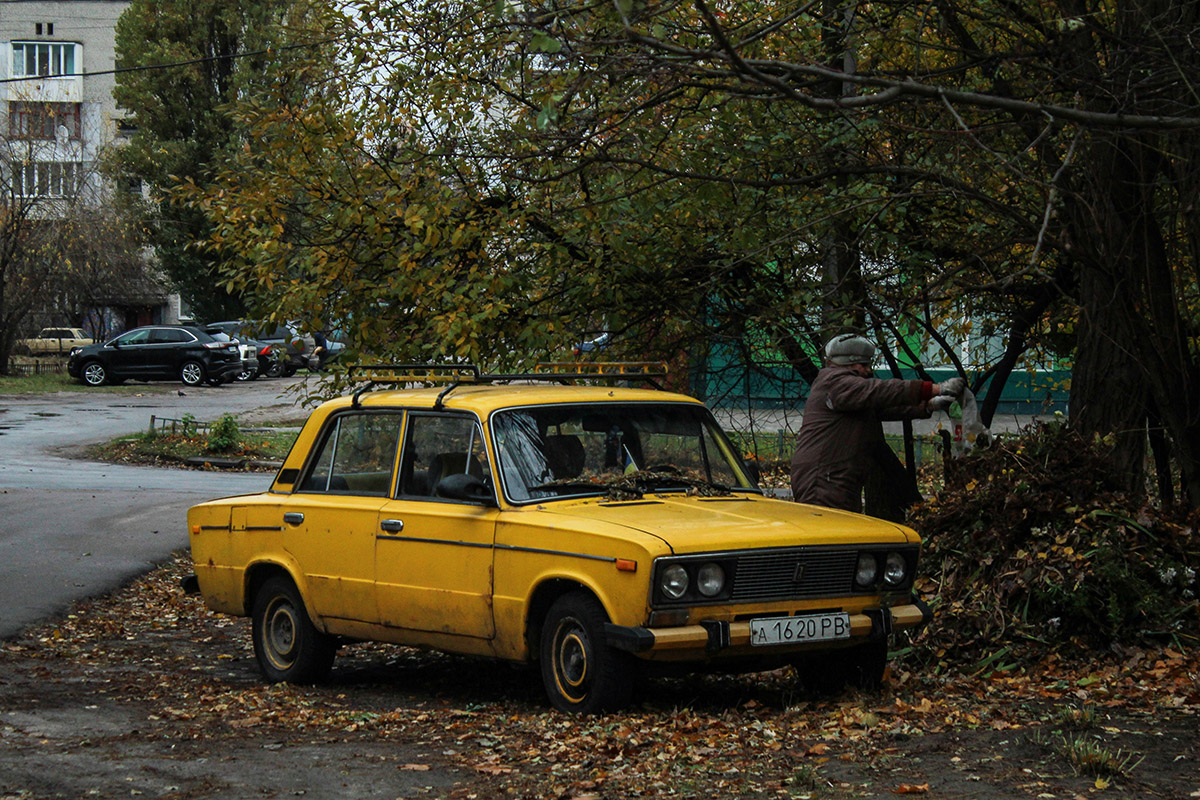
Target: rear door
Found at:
330, 520
163, 351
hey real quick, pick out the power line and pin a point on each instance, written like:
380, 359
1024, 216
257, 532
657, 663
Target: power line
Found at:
174, 64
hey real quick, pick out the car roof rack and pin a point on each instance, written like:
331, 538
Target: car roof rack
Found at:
455, 375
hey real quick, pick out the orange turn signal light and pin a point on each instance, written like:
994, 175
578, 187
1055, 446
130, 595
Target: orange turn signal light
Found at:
626, 565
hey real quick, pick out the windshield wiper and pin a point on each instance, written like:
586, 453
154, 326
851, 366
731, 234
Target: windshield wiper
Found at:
694, 486
571, 483
636, 484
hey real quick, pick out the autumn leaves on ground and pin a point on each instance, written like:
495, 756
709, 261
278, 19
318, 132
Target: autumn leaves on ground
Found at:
1062, 664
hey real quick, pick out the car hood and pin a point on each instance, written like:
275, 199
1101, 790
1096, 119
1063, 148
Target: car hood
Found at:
702, 524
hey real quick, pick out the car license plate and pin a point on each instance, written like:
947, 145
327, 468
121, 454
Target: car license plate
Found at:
795, 630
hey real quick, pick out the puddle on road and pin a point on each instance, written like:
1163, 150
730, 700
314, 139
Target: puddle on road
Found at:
46, 414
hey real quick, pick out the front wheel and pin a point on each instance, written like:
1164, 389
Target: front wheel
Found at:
286, 643
94, 374
247, 375
581, 673
192, 373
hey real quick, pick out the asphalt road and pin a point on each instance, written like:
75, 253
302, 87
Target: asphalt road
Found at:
71, 529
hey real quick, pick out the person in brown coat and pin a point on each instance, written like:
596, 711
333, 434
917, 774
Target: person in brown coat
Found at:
843, 422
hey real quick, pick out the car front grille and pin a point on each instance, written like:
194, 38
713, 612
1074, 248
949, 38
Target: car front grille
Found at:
784, 573
780, 575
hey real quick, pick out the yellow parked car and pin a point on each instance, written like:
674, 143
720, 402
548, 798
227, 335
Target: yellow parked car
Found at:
598, 530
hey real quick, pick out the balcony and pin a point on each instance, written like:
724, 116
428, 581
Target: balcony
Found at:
46, 89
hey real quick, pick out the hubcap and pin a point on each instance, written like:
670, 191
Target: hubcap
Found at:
94, 374
280, 634
191, 373
571, 661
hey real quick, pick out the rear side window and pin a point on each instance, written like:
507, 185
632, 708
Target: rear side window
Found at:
169, 336
356, 456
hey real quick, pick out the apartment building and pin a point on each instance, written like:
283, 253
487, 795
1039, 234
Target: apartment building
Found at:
58, 115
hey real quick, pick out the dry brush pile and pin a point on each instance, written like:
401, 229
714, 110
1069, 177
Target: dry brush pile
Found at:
1028, 547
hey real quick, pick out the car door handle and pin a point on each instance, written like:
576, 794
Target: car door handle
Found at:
293, 518
392, 525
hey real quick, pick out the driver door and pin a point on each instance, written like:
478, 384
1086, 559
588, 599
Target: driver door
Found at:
128, 353
433, 555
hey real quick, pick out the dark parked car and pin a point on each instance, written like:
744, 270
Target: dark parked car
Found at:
269, 357
157, 352
293, 350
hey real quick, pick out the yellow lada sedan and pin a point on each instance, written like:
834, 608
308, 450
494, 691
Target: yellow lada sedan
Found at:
601, 531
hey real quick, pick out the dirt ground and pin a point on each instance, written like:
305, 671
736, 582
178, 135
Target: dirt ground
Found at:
147, 694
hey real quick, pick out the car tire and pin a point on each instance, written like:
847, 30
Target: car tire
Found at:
286, 643
581, 673
288, 370
828, 674
274, 368
192, 373
215, 381
247, 375
94, 373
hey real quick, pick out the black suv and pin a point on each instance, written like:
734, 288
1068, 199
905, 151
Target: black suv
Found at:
157, 352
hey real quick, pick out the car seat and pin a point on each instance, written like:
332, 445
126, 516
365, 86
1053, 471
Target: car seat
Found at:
565, 455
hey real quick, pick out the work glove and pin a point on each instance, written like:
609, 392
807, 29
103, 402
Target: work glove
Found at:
952, 387
939, 403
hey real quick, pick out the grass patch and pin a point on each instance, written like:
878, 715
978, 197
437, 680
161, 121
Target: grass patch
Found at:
169, 449
1090, 757
1080, 719
50, 383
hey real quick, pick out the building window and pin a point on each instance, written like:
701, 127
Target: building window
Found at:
43, 59
28, 120
47, 179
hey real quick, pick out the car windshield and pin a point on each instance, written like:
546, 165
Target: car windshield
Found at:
619, 450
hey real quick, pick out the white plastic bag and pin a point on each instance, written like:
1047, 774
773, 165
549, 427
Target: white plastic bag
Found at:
969, 430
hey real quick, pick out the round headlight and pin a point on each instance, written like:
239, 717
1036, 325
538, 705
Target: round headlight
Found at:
674, 582
867, 569
895, 570
710, 580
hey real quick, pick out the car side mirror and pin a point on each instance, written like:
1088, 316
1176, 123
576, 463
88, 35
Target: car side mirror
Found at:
463, 486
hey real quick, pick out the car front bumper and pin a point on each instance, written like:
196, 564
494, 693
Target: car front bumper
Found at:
718, 638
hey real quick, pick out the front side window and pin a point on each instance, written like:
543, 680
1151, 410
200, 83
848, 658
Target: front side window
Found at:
356, 456
43, 59
594, 449
141, 336
439, 445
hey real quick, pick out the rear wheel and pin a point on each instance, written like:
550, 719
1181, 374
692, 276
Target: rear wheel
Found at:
94, 373
192, 373
286, 643
581, 673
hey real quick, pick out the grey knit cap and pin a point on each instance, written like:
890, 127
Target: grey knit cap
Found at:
849, 348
